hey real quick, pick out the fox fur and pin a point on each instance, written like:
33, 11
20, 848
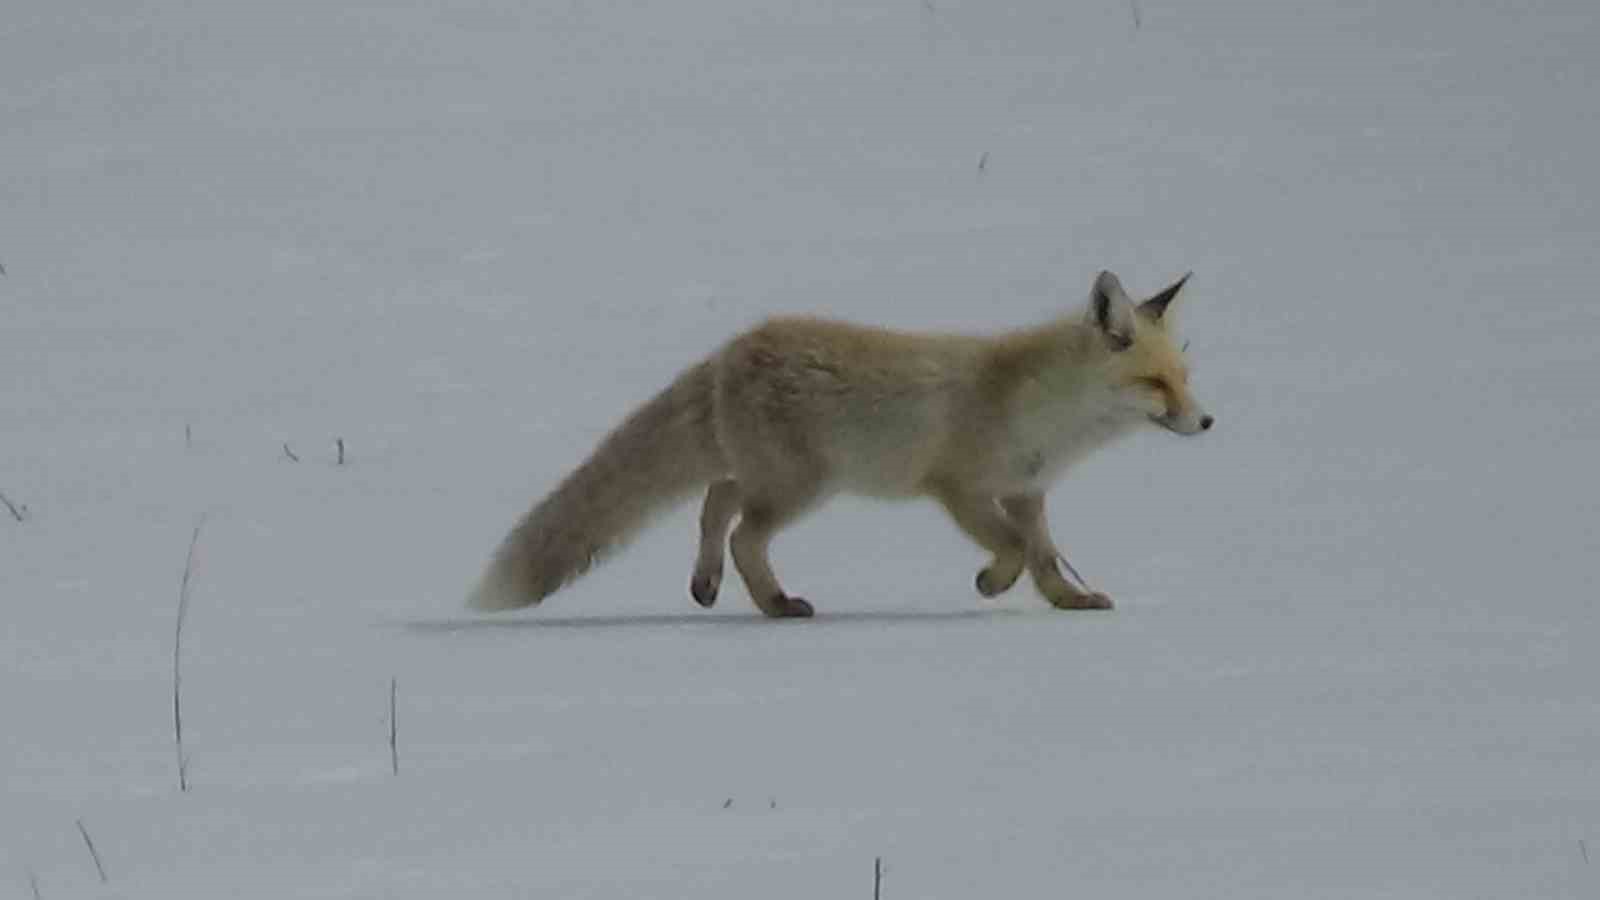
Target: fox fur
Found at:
798, 409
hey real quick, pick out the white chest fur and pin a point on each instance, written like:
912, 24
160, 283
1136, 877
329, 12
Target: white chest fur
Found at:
1051, 432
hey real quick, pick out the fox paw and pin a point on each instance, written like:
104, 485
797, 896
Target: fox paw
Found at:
994, 580
1077, 600
703, 588
784, 606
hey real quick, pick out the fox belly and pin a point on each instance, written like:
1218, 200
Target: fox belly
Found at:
889, 459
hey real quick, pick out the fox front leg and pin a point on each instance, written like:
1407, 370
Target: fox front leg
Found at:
1027, 514
981, 519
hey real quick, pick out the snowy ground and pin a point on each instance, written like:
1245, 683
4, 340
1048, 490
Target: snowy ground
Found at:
1355, 649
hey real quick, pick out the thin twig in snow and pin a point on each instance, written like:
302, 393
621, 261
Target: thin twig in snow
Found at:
340, 442
877, 878
1138, 20
93, 853
1082, 582
33, 882
177, 657
1585, 849
983, 161
188, 436
15, 512
289, 453
394, 727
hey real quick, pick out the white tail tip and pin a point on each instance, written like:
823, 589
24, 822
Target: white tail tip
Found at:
494, 593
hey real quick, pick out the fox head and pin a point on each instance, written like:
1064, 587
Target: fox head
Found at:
1146, 365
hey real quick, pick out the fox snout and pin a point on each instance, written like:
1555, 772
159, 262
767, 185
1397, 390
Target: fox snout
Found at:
1190, 423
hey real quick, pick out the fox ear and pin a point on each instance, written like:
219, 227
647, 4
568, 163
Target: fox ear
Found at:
1155, 309
1111, 311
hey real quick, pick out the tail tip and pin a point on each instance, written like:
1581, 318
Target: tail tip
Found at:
494, 593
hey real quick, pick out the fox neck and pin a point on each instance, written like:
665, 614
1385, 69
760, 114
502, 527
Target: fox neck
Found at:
1063, 403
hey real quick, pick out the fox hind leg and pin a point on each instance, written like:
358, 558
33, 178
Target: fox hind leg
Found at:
721, 505
760, 517
1027, 513
980, 517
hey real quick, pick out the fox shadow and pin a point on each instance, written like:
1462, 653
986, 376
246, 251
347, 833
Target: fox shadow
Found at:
701, 620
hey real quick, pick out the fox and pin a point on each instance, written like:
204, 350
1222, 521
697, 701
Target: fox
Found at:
799, 409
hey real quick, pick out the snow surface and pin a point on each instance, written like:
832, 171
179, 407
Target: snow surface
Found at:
1354, 654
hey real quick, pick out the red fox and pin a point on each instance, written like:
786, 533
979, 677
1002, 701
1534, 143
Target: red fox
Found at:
798, 409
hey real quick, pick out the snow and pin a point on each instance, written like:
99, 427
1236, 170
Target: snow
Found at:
1353, 652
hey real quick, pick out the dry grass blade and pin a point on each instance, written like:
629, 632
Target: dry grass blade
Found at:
177, 657
93, 853
15, 512
394, 727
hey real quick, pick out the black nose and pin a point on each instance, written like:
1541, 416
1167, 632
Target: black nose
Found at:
1205, 423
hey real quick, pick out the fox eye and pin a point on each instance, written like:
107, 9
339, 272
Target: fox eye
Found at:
1160, 386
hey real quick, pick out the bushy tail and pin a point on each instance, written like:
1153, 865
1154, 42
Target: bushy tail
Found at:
662, 452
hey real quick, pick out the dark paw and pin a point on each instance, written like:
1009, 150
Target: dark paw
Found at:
1076, 600
704, 589
991, 585
784, 606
